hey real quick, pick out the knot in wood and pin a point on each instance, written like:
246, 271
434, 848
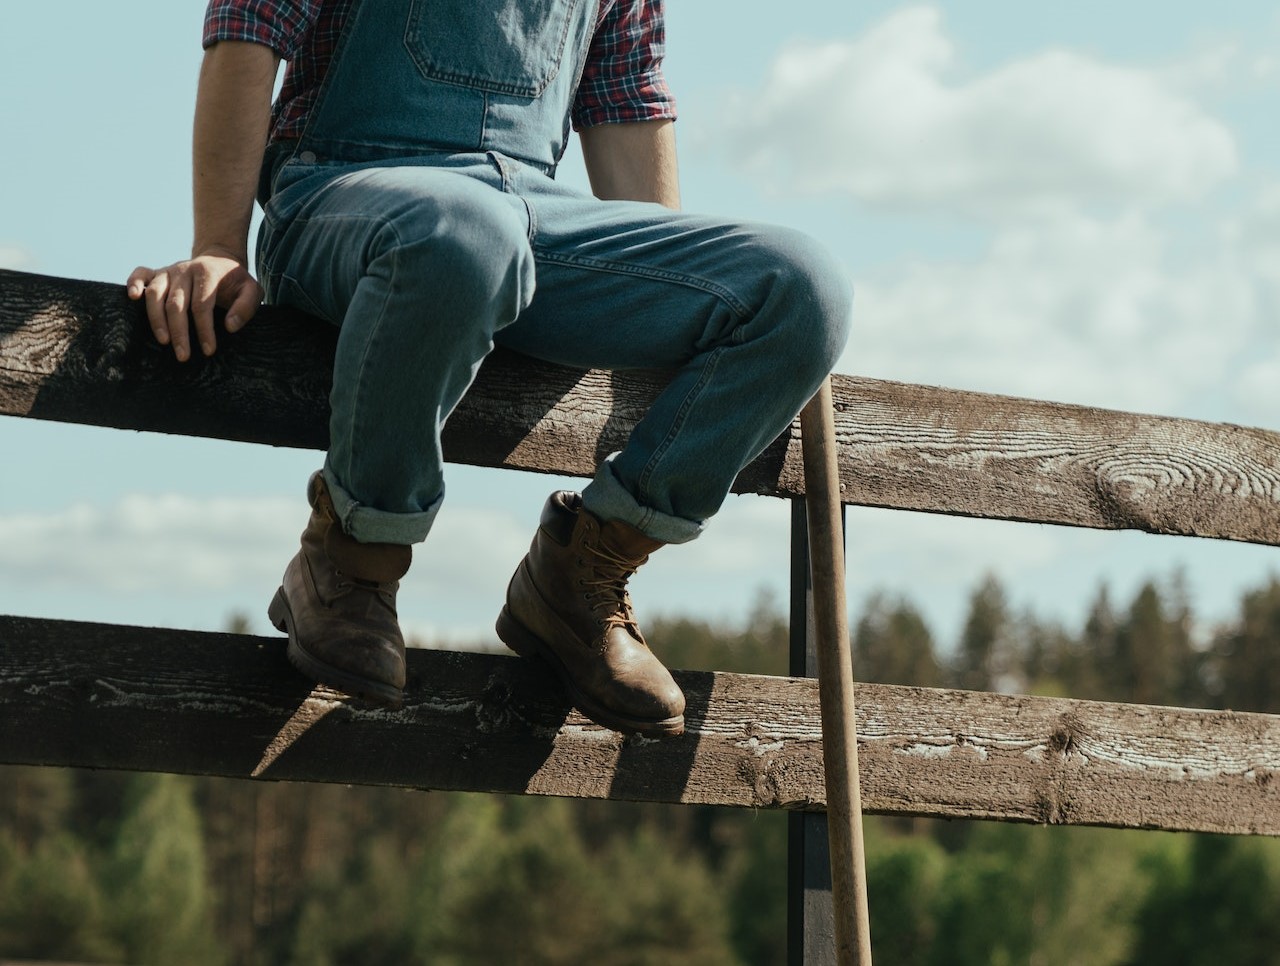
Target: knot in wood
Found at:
493, 707
1125, 498
756, 774
1065, 738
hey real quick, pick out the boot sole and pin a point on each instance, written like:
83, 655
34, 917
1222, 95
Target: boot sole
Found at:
527, 644
379, 692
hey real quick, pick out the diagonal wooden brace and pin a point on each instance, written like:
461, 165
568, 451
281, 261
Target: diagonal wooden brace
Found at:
835, 682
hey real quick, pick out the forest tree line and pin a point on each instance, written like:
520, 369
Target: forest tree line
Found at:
112, 867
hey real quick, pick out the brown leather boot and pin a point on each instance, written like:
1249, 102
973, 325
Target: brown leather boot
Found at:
338, 605
568, 604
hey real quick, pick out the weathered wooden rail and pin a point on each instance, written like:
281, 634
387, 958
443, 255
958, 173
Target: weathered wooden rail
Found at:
190, 702
79, 694
80, 352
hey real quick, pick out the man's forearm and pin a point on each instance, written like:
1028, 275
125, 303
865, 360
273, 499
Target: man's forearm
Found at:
233, 113
633, 162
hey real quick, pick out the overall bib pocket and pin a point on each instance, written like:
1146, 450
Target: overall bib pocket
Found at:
510, 47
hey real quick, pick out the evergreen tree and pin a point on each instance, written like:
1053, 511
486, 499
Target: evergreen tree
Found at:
1246, 656
905, 874
758, 886
1212, 901
1049, 658
102, 866
361, 914
1092, 670
892, 645
161, 903
51, 907
1152, 652
1051, 896
983, 914
760, 646
34, 802
1192, 689
663, 908
986, 659
513, 882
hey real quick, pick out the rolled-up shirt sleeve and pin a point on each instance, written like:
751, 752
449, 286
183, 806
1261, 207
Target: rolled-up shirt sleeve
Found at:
623, 79
278, 24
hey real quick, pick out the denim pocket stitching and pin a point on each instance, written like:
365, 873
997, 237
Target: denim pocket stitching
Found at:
278, 282
481, 77
736, 305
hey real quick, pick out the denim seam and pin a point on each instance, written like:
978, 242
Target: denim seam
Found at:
403, 153
677, 423
302, 220
331, 159
347, 216
364, 359
533, 222
504, 171
308, 303
644, 271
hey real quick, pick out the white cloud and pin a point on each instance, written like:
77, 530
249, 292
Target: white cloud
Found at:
1265, 67
1239, 61
1257, 390
1109, 273
183, 561
164, 543
1052, 572
1214, 66
18, 259
1071, 309
1257, 231
885, 118
180, 546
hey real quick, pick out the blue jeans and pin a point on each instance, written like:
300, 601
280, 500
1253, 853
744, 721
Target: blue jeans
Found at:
426, 264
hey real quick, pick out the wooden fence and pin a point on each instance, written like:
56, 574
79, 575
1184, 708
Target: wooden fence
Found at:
180, 701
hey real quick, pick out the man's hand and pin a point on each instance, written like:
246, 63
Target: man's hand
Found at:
233, 114
185, 291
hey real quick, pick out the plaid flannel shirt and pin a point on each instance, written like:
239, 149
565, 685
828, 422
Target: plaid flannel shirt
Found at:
622, 80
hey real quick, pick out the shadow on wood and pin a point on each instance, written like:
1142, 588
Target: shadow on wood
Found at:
80, 352
102, 696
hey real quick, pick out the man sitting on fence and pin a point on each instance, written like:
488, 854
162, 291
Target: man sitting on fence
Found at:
406, 174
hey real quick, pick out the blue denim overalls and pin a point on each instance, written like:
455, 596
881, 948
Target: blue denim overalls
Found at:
419, 214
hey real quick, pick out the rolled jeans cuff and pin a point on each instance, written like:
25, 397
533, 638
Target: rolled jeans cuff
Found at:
608, 499
367, 525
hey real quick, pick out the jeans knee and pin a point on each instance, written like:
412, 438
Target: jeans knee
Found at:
814, 298
473, 260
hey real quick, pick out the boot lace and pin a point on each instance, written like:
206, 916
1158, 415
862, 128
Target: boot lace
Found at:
607, 589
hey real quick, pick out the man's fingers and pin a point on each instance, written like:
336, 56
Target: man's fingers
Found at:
138, 279
156, 290
204, 293
188, 292
175, 309
244, 306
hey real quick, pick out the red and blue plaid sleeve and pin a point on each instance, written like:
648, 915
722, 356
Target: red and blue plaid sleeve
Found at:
623, 79
278, 24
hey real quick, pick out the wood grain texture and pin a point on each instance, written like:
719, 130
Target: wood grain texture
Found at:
81, 352
178, 701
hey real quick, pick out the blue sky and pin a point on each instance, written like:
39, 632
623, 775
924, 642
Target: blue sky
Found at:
1078, 202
